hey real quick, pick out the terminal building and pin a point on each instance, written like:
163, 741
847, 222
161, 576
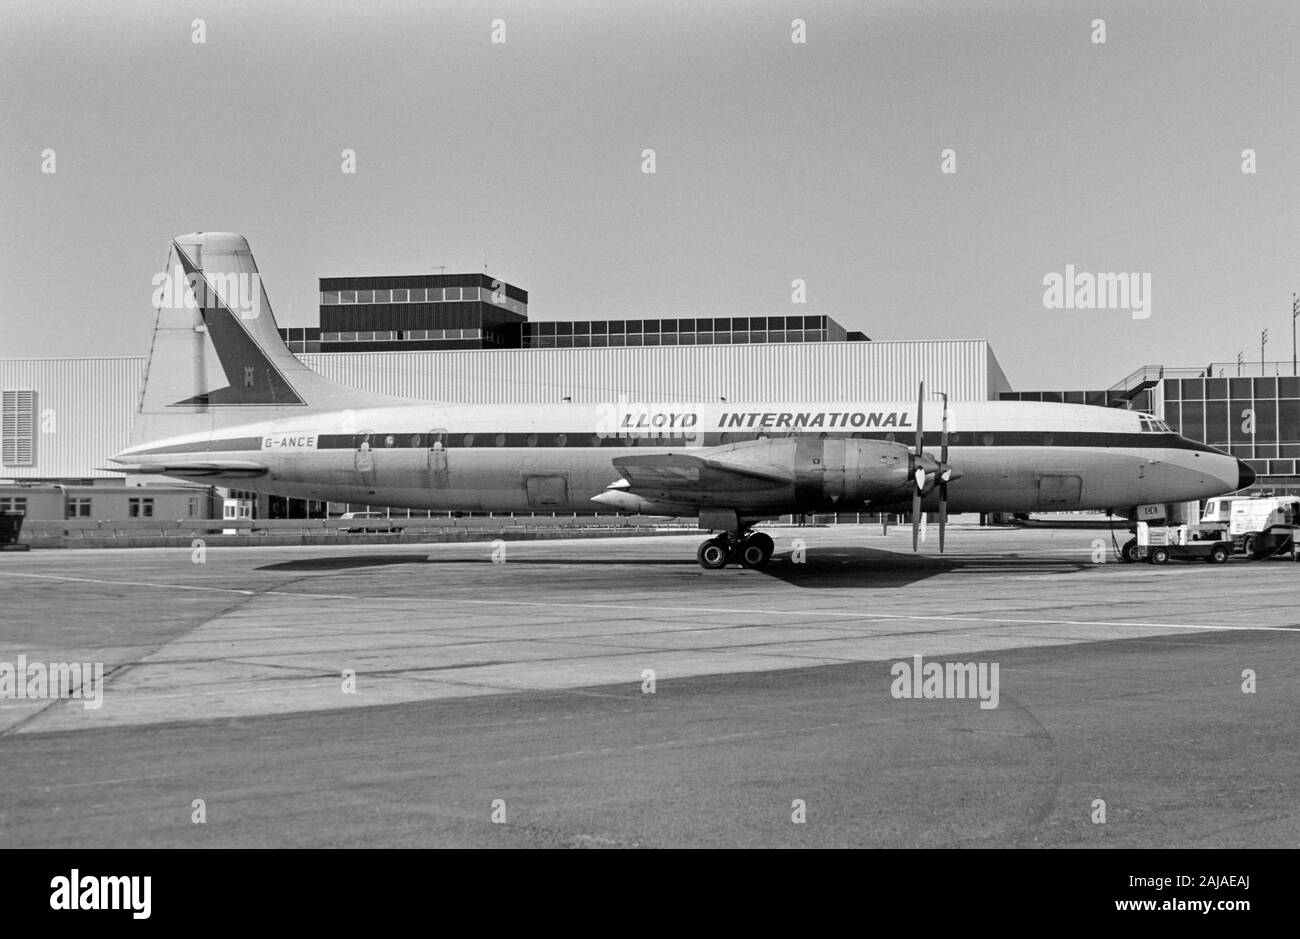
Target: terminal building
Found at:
475, 311
468, 338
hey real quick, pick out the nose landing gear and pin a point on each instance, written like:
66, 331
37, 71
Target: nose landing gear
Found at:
752, 549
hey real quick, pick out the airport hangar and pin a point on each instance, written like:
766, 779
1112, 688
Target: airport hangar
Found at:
467, 338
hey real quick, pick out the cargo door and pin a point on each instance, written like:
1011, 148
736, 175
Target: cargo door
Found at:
1059, 490
547, 492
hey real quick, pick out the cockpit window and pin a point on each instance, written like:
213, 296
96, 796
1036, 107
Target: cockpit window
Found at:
1153, 425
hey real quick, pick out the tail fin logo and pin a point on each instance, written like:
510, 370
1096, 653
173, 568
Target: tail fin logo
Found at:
253, 379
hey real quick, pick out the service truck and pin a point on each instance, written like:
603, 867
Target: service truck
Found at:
1260, 527
1264, 527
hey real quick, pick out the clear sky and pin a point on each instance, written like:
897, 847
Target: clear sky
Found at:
774, 161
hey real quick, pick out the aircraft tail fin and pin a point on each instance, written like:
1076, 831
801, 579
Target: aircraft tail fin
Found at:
217, 358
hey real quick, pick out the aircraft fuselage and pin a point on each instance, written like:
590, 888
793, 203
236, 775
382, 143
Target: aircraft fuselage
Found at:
1009, 456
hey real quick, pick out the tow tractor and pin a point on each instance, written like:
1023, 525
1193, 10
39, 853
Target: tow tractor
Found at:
1159, 543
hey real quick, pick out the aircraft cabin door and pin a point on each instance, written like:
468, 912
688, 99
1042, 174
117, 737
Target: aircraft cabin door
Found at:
364, 458
437, 459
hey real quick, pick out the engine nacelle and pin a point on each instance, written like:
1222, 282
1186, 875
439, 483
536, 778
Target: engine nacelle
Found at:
830, 472
846, 473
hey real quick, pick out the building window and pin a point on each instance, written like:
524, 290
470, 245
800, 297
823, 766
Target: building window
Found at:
329, 297
17, 428
139, 507
13, 504
77, 507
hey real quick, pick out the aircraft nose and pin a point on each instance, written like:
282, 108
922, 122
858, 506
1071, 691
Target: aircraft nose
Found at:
1245, 475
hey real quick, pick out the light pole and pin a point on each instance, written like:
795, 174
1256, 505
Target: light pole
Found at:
1263, 340
1241, 357
1295, 311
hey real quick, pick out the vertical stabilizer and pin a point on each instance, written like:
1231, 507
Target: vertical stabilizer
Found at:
217, 357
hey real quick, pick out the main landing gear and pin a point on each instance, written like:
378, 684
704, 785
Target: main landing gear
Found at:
751, 549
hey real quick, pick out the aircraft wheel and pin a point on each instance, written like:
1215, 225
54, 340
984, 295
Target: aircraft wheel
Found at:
1128, 553
1218, 555
713, 555
1159, 556
756, 550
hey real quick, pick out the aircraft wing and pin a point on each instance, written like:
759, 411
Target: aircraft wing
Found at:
240, 468
688, 472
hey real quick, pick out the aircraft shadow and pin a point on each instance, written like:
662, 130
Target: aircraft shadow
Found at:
343, 563
882, 570
850, 567
359, 561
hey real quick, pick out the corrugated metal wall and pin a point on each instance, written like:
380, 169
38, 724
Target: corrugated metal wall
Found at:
87, 404
83, 411
829, 371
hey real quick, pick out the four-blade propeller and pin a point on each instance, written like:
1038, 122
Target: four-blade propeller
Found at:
922, 466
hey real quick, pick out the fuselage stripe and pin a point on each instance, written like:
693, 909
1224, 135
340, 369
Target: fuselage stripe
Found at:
488, 440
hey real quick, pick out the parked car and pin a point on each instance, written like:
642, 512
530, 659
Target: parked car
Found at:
368, 522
